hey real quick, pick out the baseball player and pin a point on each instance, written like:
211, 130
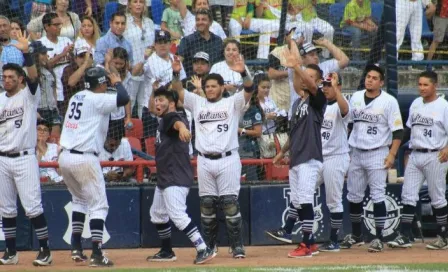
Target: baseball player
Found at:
19, 169
305, 147
428, 124
174, 179
83, 135
335, 152
219, 166
375, 139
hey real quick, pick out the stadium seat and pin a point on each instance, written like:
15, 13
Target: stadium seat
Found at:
109, 9
377, 11
336, 14
150, 145
137, 130
27, 8
280, 172
157, 8
135, 143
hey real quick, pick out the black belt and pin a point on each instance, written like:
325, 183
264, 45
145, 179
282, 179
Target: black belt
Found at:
215, 156
13, 155
73, 151
424, 150
365, 150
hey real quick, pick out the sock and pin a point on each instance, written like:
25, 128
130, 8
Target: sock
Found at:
9, 228
195, 236
441, 218
336, 224
96, 228
40, 226
356, 218
307, 216
164, 231
406, 220
380, 214
291, 218
77, 228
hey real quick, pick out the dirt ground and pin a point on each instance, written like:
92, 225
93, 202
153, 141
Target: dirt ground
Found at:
267, 256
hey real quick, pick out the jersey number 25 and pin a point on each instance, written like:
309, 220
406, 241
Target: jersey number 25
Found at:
75, 110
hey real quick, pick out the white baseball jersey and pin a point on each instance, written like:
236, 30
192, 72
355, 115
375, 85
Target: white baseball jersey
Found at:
86, 121
334, 131
122, 153
216, 123
58, 48
18, 116
188, 25
374, 123
428, 123
229, 76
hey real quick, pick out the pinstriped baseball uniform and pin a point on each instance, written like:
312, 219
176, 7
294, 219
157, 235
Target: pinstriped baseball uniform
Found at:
18, 133
216, 126
370, 140
84, 130
336, 158
429, 130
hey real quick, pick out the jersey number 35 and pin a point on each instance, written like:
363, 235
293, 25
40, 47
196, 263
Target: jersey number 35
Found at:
75, 110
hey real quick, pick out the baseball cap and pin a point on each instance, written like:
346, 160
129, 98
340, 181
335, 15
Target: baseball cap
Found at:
374, 67
38, 47
81, 46
162, 36
201, 55
307, 48
327, 79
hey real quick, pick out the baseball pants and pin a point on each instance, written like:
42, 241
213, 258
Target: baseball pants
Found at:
302, 180
170, 203
421, 167
410, 12
333, 175
85, 181
219, 177
367, 168
20, 176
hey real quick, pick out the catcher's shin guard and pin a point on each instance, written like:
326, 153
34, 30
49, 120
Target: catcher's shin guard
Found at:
231, 208
209, 222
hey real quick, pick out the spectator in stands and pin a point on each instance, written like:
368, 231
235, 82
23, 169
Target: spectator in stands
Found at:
358, 21
113, 38
232, 79
201, 68
88, 34
140, 33
40, 7
171, 20
222, 10
9, 53
440, 20
116, 148
116, 61
70, 23
307, 10
201, 40
60, 56
47, 108
188, 21
16, 27
85, 7
123, 4
73, 74
47, 152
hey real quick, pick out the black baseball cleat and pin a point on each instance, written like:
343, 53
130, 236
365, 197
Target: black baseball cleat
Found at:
280, 235
78, 256
9, 259
100, 261
205, 256
162, 256
238, 252
400, 241
351, 240
43, 258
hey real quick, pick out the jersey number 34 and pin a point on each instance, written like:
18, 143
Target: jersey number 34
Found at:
75, 110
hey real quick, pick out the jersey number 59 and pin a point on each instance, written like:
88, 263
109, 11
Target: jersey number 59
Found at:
222, 128
75, 110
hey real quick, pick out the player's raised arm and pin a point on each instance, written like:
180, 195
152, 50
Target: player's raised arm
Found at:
23, 45
176, 84
122, 94
342, 103
239, 66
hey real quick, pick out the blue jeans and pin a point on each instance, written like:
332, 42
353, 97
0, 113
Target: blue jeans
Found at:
356, 34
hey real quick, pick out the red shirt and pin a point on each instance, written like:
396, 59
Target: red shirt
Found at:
442, 8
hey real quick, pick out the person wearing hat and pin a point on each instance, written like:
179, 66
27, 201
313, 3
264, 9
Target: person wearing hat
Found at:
47, 108
46, 152
201, 68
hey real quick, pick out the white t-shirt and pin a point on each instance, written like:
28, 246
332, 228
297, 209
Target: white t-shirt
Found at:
87, 120
269, 106
374, 123
50, 156
228, 3
122, 153
58, 48
429, 124
188, 25
120, 113
125, 2
229, 76
334, 131
216, 123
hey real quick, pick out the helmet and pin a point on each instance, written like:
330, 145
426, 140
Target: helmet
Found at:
94, 77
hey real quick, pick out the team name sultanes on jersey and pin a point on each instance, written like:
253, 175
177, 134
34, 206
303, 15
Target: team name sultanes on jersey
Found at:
216, 123
334, 131
10, 114
374, 122
428, 123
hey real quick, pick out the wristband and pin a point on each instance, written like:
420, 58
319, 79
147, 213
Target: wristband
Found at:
176, 75
249, 89
28, 60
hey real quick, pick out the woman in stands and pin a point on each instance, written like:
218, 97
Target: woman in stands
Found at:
140, 33
16, 26
88, 34
46, 152
232, 79
70, 22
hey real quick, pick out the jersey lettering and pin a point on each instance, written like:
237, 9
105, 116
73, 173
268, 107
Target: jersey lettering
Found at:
18, 123
363, 116
418, 119
11, 114
205, 117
